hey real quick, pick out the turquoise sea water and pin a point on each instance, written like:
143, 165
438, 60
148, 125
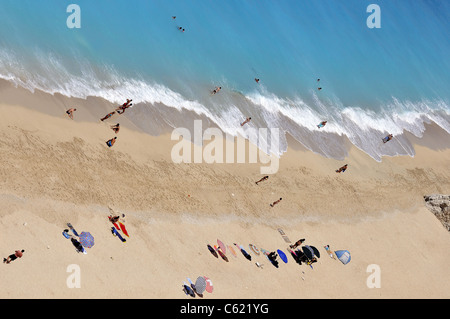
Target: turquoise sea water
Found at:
374, 81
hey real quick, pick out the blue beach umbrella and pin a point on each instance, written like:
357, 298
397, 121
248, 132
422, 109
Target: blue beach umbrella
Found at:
86, 239
282, 256
343, 256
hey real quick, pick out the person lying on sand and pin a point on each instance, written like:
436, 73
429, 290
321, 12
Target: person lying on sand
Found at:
327, 248
342, 169
115, 128
246, 121
12, 257
297, 243
276, 202
107, 116
262, 179
322, 124
111, 141
70, 112
124, 106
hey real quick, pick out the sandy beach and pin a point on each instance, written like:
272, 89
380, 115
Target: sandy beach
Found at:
57, 170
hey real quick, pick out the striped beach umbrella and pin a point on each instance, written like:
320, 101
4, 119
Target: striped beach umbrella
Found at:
343, 256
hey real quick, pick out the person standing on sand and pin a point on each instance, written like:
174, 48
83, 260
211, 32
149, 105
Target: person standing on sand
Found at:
276, 202
107, 116
342, 169
12, 257
262, 179
111, 141
246, 121
70, 112
115, 128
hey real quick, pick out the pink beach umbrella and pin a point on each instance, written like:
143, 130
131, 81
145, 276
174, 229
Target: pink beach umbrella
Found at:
209, 284
222, 246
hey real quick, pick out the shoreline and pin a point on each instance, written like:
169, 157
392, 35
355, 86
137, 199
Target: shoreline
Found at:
162, 120
56, 170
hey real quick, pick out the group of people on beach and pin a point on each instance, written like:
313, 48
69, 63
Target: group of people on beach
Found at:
116, 127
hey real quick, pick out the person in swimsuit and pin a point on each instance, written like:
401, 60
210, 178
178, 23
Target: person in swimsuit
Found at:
327, 248
70, 112
262, 179
124, 106
246, 121
322, 124
276, 202
342, 169
111, 141
107, 116
388, 138
115, 128
12, 257
297, 243
217, 89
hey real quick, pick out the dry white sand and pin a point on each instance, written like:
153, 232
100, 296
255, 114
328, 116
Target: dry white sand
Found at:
56, 170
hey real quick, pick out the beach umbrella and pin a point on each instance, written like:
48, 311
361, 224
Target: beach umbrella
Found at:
308, 251
222, 246
232, 251
209, 285
200, 285
343, 256
188, 290
316, 251
254, 249
212, 251
282, 256
86, 239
